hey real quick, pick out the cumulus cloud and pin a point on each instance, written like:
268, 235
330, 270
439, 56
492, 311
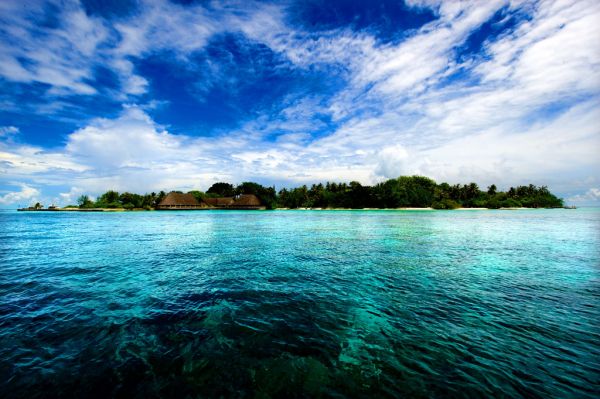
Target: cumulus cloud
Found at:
26, 194
132, 140
133, 152
590, 196
70, 197
130, 152
391, 162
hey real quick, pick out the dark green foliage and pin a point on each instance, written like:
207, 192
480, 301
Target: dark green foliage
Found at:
521, 196
84, 202
130, 201
534, 197
109, 196
109, 199
266, 195
404, 191
112, 199
199, 195
511, 203
221, 190
445, 203
359, 196
414, 191
294, 198
82, 199
158, 198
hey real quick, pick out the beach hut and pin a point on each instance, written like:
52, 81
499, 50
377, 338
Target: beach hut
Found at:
243, 201
180, 201
247, 201
221, 202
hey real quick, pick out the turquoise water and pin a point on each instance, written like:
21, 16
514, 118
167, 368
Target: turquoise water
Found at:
300, 304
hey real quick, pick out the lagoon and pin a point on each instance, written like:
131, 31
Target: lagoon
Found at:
300, 304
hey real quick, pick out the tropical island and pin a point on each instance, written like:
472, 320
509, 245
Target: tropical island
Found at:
402, 192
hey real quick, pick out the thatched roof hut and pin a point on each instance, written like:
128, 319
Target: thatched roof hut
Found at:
247, 201
180, 201
221, 202
244, 201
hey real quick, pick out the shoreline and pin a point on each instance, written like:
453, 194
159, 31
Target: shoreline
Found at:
278, 209
404, 209
79, 210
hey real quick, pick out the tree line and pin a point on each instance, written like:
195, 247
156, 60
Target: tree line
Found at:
404, 191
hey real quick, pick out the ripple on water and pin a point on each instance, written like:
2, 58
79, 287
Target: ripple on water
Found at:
300, 304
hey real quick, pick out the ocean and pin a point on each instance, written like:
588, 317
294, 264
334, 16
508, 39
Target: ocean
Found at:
284, 304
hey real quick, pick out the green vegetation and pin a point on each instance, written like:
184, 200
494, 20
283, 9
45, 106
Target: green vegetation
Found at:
114, 200
221, 190
84, 202
415, 191
266, 195
445, 203
405, 191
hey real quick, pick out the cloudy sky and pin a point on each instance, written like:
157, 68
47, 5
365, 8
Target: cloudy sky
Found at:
159, 95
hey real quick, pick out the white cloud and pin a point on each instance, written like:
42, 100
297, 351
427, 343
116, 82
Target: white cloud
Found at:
21, 161
133, 153
591, 196
130, 152
26, 194
6, 131
70, 197
391, 162
498, 130
532, 116
132, 140
165, 25
64, 55
62, 58
550, 152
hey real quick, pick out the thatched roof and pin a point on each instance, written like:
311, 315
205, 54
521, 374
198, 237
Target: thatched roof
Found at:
222, 201
173, 199
247, 200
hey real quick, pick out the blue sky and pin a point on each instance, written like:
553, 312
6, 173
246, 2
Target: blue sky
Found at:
160, 95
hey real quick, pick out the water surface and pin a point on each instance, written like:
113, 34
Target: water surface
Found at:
300, 304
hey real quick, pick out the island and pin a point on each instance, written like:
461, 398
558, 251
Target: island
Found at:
399, 193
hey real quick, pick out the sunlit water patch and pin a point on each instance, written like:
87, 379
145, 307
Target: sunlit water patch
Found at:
300, 304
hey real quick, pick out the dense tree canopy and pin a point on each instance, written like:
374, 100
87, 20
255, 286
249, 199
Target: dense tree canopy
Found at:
126, 200
266, 195
221, 190
404, 191
414, 191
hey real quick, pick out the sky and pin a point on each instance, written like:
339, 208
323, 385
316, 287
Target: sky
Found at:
150, 95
